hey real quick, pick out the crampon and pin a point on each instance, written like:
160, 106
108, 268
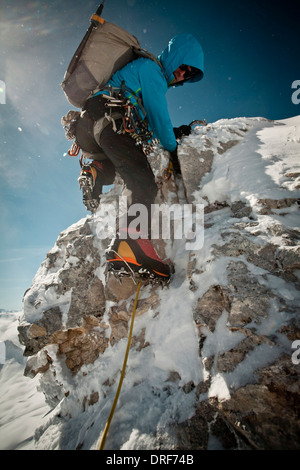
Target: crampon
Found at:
86, 182
128, 259
143, 274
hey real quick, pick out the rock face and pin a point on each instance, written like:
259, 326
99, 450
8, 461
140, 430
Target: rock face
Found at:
212, 355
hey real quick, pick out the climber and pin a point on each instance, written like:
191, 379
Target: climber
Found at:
105, 140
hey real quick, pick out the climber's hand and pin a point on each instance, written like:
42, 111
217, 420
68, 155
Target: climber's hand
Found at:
182, 131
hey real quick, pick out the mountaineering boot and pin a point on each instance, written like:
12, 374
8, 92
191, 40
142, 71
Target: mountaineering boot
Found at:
137, 258
91, 191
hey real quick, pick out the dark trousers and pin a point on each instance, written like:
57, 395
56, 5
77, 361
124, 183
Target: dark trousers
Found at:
130, 162
117, 153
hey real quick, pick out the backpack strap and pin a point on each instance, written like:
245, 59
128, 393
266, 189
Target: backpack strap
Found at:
148, 55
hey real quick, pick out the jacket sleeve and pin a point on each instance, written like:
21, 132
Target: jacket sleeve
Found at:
153, 94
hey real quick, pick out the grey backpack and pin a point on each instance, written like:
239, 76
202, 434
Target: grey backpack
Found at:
104, 49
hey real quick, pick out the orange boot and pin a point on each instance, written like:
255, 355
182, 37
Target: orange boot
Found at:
138, 258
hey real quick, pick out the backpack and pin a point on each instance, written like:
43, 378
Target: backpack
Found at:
104, 49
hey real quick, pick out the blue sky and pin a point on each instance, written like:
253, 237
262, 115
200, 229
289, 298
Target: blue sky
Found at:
251, 53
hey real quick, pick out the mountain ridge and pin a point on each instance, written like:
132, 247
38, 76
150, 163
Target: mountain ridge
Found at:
210, 364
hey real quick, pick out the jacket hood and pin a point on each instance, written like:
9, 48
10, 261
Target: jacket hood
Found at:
182, 49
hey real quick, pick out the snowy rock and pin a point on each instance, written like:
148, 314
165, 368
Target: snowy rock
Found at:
39, 363
267, 412
37, 335
81, 345
197, 155
211, 363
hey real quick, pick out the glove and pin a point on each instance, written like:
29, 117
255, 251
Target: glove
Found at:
175, 162
181, 131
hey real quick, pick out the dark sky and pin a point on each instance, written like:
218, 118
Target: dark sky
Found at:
251, 53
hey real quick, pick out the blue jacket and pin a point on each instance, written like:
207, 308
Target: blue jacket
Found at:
145, 78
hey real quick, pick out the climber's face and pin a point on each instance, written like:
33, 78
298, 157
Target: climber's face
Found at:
183, 73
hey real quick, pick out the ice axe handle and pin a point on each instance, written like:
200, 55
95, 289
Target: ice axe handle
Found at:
96, 17
100, 8
201, 122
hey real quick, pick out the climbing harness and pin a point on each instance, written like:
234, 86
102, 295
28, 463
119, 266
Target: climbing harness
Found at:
118, 107
132, 124
74, 150
106, 429
69, 125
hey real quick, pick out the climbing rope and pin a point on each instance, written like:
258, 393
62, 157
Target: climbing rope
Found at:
103, 439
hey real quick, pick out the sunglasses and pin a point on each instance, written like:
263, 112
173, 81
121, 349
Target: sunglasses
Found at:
189, 71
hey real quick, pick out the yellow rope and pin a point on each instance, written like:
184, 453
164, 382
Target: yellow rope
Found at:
101, 447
